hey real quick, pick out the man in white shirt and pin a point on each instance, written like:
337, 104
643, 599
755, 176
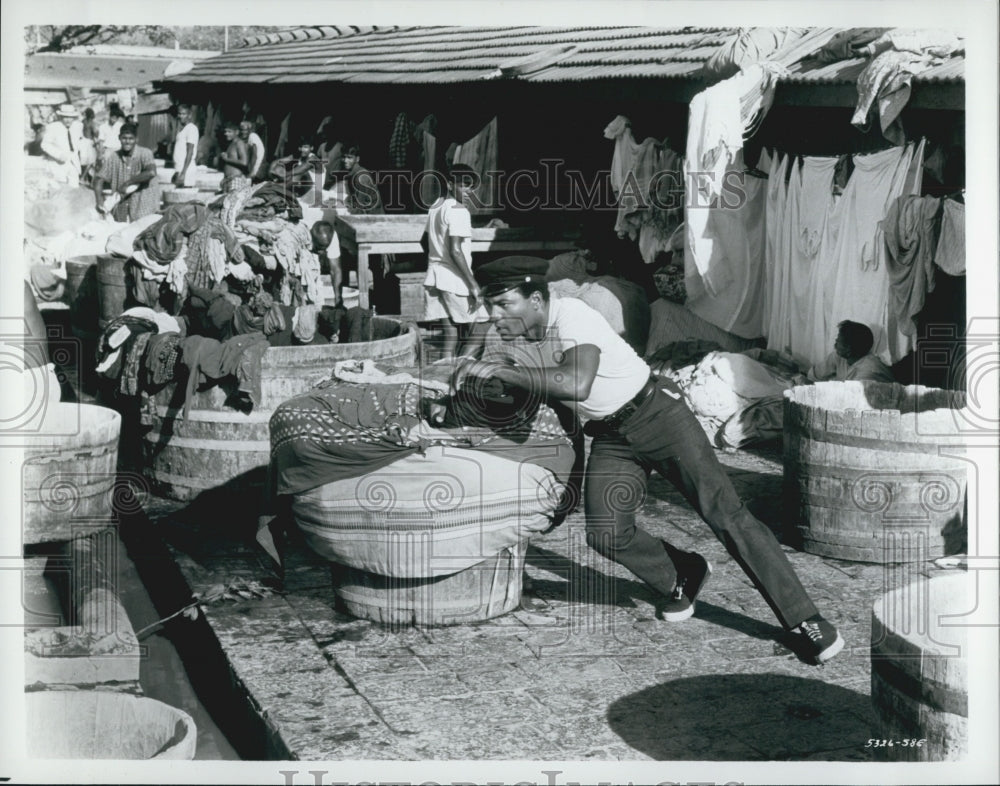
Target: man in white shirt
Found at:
451, 294
108, 133
564, 350
185, 148
255, 147
61, 142
851, 358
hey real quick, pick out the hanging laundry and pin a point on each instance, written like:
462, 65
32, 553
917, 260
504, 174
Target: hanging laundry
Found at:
910, 231
620, 130
815, 201
481, 154
775, 307
735, 233
426, 142
654, 167
950, 252
885, 81
718, 118
851, 281
400, 140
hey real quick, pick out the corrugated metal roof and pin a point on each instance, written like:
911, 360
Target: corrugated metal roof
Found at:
447, 55
48, 71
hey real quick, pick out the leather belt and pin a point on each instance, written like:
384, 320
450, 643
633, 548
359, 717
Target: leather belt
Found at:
619, 416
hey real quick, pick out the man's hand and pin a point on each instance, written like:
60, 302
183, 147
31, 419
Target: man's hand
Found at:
177, 179
482, 377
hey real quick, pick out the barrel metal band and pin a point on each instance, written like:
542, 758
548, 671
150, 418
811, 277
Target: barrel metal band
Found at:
934, 695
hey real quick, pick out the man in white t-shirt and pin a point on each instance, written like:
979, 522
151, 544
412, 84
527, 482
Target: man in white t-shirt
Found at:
185, 148
564, 350
108, 133
451, 295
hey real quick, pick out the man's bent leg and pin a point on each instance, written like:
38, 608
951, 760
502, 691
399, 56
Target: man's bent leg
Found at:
615, 485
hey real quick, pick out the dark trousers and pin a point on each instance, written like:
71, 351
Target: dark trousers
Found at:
664, 435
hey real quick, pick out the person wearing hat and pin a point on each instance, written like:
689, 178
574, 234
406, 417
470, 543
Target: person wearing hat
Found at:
62, 140
564, 350
451, 294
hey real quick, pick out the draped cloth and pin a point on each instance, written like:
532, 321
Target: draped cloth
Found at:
910, 231
950, 252
481, 153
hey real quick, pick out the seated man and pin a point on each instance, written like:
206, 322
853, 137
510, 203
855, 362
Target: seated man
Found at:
851, 358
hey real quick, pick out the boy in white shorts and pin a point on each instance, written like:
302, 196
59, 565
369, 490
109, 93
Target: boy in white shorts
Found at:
451, 295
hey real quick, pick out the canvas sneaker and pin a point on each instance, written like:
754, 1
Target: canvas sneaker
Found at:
819, 640
693, 571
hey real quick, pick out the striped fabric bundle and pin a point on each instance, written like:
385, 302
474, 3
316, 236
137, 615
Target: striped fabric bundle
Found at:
430, 514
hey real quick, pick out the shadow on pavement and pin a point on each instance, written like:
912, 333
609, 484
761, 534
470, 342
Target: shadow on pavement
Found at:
736, 717
741, 623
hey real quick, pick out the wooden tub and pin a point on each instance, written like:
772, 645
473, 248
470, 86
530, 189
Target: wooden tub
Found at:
919, 654
69, 470
216, 445
874, 472
87, 724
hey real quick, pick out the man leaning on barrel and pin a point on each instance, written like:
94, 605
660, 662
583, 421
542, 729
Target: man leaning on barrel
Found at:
564, 350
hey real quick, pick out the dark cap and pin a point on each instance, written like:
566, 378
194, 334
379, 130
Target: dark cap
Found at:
503, 274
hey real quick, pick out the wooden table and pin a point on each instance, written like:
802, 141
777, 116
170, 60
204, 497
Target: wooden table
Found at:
363, 235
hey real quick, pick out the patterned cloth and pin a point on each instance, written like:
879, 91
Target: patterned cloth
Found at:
162, 356
343, 430
133, 364
399, 142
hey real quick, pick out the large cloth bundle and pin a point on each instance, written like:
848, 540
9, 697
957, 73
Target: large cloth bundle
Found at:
428, 514
375, 487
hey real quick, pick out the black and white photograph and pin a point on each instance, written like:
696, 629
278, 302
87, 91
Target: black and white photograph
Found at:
490, 392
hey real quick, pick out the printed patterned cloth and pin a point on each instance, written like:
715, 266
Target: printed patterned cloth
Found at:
342, 430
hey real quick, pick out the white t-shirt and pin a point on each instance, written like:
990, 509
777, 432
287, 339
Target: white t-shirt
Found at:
108, 135
187, 135
258, 144
447, 219
621, 373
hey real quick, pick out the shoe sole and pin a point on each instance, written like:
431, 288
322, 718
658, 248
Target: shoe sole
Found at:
832, 650
680, 616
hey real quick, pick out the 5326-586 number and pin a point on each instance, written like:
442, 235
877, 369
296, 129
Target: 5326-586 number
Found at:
910, 743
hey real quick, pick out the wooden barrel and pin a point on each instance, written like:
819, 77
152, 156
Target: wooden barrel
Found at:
207, 449
874, 472
77, 271
208, 180
485, 590
216, 445
177, 195
411, 294
87, 724
69, 470
919, 656
110, 288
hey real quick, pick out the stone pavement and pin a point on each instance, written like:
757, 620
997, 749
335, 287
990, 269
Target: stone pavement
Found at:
585, 670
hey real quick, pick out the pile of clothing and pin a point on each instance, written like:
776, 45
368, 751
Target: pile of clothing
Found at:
621, 302
143, 350
736, 397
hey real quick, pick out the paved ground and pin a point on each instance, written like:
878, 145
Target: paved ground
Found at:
586, 669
